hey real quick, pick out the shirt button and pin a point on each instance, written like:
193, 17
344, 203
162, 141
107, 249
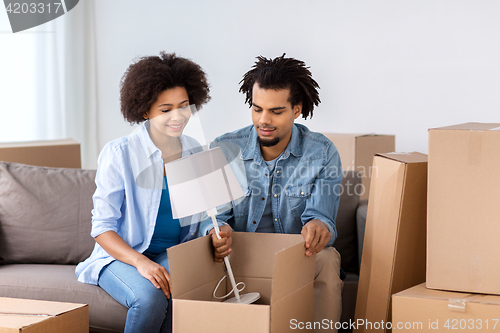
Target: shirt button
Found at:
262, 198
301, 193
254, 222
277, 171
265, 174
275, 195
276, 220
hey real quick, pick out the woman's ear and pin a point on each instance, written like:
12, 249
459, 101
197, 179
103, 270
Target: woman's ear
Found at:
146, 115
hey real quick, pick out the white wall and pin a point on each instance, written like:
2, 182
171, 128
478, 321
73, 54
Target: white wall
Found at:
389, 67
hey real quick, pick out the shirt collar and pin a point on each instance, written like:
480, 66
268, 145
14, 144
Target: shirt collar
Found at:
189, 145
252, 149
147, 143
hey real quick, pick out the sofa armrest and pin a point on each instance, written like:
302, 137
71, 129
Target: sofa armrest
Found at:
360, 225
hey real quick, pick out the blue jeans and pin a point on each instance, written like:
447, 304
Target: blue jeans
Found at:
149, 308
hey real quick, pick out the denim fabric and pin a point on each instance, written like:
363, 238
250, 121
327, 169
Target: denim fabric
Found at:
149, 309
129, 183
306, 183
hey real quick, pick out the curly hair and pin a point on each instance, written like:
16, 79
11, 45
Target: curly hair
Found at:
148, 77
283, 73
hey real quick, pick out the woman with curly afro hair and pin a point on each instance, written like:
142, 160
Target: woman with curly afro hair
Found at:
132, 220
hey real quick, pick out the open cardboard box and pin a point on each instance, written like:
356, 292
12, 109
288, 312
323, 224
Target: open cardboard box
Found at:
275, 265
33, 316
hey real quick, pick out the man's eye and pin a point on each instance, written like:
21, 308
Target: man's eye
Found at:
277, 112
257, 110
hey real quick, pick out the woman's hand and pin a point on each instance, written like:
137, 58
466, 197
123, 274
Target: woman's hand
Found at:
156, 273
116, 247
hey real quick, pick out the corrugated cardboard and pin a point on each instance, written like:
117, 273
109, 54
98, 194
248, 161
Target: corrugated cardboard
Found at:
419, 309
51, 153
463, 208
357, 151
31, 316
394, 244
274, 265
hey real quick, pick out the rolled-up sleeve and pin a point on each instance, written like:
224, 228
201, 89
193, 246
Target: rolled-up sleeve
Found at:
324, 200
110, 192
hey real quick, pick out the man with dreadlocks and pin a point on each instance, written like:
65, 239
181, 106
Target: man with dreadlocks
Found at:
293, 175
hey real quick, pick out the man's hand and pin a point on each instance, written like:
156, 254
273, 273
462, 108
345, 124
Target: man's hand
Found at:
156, 273
222, 247
316, 235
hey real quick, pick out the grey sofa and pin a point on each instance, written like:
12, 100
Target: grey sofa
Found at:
45, 223
351, 218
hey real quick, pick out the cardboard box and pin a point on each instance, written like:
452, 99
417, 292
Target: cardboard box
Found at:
419, 309
31, 316
394, 244
52, 153
463, 208
357, 151
274, 265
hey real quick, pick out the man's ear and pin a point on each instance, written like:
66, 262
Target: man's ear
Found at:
297, 110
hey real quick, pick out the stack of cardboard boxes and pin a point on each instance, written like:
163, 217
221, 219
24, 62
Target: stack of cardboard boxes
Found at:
463, 228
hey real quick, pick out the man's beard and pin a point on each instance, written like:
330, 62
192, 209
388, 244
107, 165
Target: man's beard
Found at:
268, 142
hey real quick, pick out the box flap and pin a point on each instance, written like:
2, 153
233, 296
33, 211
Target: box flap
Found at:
17, 313
292, 270
285, 314
20, 306
410, 157
191, 316
16, 323
471, 127
192, 265
249, 249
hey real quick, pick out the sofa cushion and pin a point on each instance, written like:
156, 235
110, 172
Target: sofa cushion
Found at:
347, 240
45, 214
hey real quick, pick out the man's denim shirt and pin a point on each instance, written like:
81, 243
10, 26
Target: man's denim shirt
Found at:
306, 182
